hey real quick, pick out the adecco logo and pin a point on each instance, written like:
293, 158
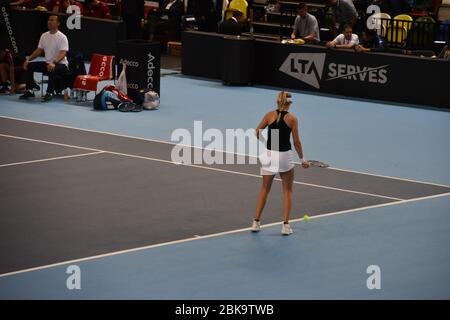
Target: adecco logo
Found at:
9, 29
129, 63
103, 66
150, 70
308, 68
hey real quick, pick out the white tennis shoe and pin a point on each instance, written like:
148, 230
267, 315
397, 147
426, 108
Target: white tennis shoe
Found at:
256, 226
286, 229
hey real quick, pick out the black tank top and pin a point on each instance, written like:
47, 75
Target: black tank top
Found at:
284, 133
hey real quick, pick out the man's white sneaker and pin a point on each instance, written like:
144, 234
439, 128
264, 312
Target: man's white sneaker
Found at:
286, 229
256, 226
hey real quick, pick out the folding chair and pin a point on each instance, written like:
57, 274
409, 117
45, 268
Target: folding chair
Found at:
101, 69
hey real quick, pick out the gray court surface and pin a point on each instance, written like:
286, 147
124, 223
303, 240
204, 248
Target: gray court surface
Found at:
96, 193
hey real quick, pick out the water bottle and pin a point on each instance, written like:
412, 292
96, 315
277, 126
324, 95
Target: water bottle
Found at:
66, 95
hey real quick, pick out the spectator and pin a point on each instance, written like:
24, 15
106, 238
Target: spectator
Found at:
346, 40
166, 18
54, 45
132, 13
370, 42
11, 69
305, 25
231, 26
344, 13
97, 9
63, 5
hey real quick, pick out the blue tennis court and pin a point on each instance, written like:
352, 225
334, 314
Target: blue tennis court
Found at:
98, 190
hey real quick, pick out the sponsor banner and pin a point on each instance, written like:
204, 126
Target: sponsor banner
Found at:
143, 65
375, 76
310, 68
8, 35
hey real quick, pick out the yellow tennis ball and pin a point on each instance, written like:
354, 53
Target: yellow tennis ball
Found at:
306, 217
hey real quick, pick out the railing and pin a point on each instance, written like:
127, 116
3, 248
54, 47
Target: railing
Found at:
411, 35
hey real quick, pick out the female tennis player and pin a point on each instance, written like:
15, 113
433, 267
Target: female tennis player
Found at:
278, 157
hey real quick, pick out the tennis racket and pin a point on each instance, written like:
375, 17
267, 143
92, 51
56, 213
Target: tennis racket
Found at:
317, 164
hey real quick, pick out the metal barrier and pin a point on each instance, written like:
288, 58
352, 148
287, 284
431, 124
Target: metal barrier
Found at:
421, 34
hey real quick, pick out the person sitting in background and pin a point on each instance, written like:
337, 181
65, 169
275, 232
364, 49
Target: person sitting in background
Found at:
344, 14
346, 40
63, 5
11, 69
370, 42
97, 9
166, 17
54, 45
306, 26
231, 26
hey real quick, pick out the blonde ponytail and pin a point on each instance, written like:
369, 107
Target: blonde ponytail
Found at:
282, 103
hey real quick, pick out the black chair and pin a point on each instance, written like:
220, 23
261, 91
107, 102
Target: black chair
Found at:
76, 67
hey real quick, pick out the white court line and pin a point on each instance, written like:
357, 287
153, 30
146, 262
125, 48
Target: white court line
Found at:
388, 177
203, 167
47, 142
236, 153
50, 159
198, 237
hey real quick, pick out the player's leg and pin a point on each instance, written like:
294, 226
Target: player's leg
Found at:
287, 179
262, 197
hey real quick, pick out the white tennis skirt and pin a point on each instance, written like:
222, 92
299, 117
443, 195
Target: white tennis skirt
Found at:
273, 162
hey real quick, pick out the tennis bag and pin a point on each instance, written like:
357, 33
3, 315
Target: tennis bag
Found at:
109, 98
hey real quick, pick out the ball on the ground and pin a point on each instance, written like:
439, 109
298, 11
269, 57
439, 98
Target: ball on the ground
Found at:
305, 217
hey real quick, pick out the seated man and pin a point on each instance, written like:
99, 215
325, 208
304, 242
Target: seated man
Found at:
306, 26
97, 9
370, 42
231, 26
346, 40
166, 17
11, 69
54, 45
